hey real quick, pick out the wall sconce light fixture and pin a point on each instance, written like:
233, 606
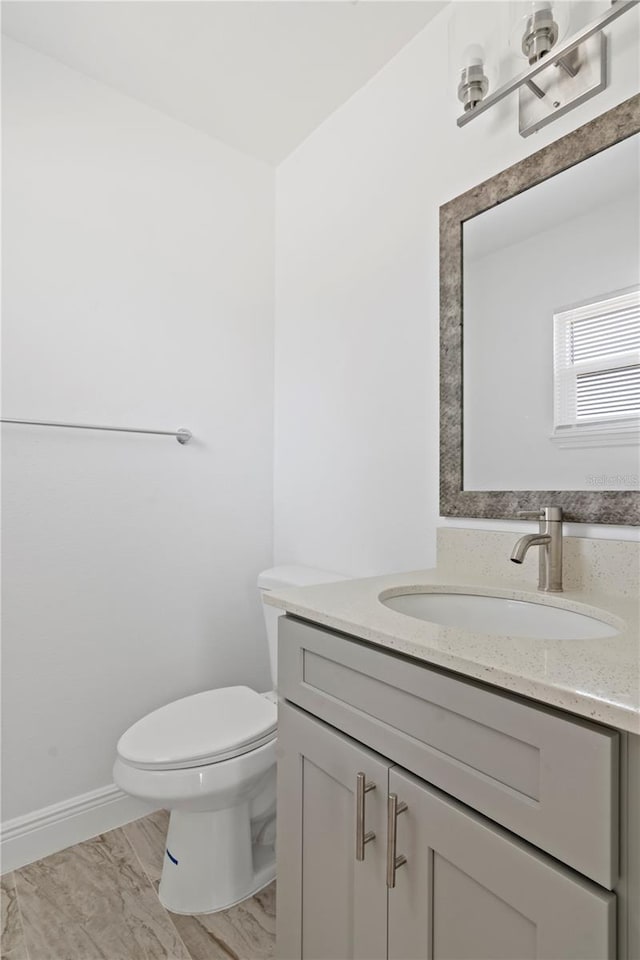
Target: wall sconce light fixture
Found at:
562, 73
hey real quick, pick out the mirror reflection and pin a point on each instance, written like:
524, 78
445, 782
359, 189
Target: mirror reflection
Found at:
551, 332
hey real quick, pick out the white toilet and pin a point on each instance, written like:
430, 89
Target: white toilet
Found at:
211, 760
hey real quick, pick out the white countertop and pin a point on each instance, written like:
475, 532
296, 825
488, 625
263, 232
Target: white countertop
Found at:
597, 679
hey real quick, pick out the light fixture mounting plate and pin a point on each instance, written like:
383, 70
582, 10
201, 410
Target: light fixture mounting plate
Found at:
563, 88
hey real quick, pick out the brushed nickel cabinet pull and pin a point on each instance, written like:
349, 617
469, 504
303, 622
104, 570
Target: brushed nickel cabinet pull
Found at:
362, 788
394, 809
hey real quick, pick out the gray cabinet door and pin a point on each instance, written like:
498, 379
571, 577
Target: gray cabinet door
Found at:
471, 891
330, 906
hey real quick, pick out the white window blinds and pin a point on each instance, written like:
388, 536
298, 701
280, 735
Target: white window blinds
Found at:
597, 369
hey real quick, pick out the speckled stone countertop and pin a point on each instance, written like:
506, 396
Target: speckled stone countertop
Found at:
598, 679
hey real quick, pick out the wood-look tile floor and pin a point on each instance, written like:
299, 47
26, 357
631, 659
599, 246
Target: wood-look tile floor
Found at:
98, 901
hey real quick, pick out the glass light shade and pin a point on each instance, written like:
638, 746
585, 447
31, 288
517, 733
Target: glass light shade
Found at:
544, 22
473, 82
474, 32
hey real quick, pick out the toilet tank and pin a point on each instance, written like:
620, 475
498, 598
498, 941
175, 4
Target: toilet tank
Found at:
277, 578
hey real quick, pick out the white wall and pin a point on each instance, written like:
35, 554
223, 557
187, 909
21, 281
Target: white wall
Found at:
138, 291
356, 460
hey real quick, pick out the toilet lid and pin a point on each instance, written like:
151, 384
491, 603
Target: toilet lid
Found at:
203, 728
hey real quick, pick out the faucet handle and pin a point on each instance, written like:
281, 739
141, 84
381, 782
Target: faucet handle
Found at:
543, 513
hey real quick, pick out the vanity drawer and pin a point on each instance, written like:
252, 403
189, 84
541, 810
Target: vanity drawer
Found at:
549, 778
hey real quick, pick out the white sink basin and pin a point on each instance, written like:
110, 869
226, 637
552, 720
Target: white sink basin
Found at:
499, 615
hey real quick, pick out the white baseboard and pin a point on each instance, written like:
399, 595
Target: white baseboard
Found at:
36, 835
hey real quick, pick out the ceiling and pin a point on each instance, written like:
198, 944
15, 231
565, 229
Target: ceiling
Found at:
258, 75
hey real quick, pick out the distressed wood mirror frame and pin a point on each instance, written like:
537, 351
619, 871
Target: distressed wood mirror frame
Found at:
606, 506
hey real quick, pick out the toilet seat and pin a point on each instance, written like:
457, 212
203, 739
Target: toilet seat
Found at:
205, 728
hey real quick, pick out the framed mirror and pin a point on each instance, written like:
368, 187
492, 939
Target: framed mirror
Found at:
540, 332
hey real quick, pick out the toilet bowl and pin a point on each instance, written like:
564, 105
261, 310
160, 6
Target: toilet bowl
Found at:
210, 759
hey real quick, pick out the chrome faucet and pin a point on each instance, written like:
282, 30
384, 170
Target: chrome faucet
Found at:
549, 539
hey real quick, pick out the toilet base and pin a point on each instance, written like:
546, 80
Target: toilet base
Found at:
210, 863
263, 877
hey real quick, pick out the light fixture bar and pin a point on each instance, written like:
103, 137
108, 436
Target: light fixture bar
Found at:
558, 53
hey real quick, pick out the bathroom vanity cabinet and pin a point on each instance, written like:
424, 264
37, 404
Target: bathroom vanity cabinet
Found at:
508, 846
